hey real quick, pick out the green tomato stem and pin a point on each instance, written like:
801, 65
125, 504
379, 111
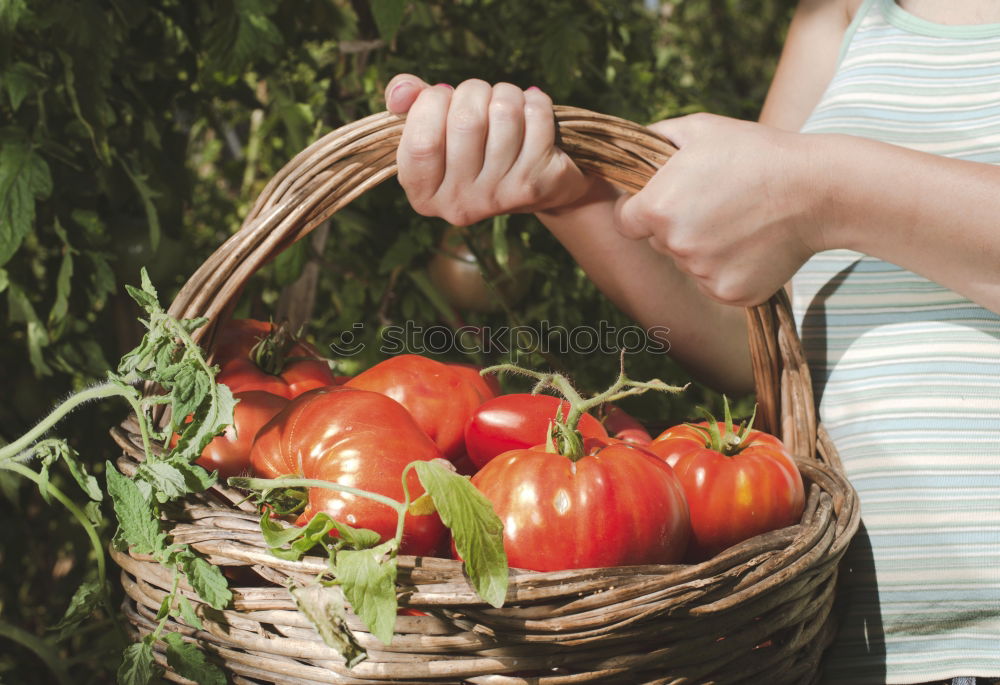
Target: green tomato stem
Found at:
578, 406
12, 450
78, 514
273, 483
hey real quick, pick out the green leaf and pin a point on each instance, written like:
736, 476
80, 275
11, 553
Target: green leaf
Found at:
289, 263
64, 281
207, 580
326, 608
85, 600
314, 533
477, 530
388, 16
188, 613
189, 661
88, 483
137, 517
24, 179
20, 80
369, 581
4, 280
147, 195
138, 666
145, 296
241, 36
12, 12
175, 478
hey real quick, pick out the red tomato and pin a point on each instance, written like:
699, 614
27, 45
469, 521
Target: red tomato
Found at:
487, 386
733, 493
282, 367
229, 453
439, 397
356, 438
621, 425
518, 421
618, 505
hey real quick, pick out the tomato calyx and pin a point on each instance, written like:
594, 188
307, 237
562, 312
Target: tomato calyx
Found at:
270, 352
564, 436
732, 440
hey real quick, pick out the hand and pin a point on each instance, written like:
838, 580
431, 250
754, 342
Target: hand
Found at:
737, 207
477, 150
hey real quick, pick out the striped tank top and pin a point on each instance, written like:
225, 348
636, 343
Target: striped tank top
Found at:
907, 373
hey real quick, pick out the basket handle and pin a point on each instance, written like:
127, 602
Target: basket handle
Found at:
347, 162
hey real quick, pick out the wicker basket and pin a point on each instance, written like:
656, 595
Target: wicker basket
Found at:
761, 609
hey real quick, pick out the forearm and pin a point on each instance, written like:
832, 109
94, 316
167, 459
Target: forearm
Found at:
935, 216
706, 337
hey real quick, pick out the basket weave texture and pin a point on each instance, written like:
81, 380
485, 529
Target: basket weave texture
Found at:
760, 609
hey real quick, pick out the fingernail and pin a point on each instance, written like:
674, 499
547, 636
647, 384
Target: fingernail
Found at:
446, 85
400, 88
533, 88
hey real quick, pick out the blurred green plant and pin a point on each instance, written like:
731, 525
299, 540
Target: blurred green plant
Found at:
139, 133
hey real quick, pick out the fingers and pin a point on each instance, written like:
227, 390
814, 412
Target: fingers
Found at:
402, 91
476, 150
505, 140
421, 152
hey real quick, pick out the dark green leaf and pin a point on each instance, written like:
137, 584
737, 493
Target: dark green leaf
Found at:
208, 581
12, 12
476, 529
147, 195
138, 666
24, 179
60, 307
21, 80
388, 17
137, 518
289, 264
189, 661
369, 582
326, 608
85, 600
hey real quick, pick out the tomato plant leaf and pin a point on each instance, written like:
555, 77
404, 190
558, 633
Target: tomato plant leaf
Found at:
369, 581
138, 666
137, 521
188, 613
388, 16
207, 580
88, 483
174, 478
189, 661
326, 608
476, 529
83, 603
24, 179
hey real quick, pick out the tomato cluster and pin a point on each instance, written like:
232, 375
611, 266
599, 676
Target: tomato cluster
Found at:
573, 489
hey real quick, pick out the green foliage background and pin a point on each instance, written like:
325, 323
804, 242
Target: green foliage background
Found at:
139, 132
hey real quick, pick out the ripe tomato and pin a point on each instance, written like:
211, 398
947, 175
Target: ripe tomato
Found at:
621, 425
229, 453
617, 505
439, 397
356, 438
488, 386
518, 421
254, 355
736, 487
